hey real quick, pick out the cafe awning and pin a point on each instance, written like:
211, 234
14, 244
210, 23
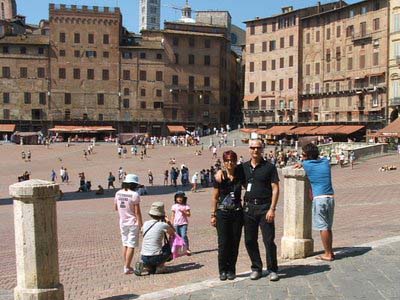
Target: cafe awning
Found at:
304, 130
250, 98
349, 129
82, 129
325, 130
176, 129
279, 130
7, 127
249, 130
392, 130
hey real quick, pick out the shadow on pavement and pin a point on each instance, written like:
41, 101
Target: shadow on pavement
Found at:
302, 270
346, 252
204, 251
183, 267
121, 297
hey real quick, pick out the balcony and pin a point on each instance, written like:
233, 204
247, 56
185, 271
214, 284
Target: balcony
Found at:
394, 101
398, 59
361, 36
177, 88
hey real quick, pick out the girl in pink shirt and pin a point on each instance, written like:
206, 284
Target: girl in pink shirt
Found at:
180, 214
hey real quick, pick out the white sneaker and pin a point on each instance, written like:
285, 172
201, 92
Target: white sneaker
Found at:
273, 276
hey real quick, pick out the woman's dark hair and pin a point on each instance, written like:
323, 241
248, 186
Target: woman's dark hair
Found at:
311, 151
182, 195
229, 155
129, 186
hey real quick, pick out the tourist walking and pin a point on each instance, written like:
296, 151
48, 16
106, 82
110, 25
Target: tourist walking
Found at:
110, 180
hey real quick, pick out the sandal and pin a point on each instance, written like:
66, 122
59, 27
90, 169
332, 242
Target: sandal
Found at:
128, 271
320, 257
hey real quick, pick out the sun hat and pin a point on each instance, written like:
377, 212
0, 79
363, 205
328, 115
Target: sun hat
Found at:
157, 209
132, 178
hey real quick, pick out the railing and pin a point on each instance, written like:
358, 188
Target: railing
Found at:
361, 36
394, 101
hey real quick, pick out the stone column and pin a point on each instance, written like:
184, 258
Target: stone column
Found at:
35, 223
297, 239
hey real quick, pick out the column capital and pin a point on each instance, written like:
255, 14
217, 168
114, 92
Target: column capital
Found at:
34, 189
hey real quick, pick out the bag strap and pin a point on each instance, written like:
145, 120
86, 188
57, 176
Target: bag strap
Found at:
149, 228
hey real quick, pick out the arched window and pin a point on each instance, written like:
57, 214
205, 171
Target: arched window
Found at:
3, 13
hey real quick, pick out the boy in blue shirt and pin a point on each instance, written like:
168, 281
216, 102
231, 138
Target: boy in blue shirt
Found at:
318, 171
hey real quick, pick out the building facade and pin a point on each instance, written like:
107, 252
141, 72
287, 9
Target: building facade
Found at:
150, 11
84, 68
335, 72
8, 9
394, 57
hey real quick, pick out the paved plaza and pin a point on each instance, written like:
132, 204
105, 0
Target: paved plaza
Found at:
91, 267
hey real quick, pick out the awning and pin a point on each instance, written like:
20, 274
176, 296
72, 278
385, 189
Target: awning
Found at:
349, 129
302, 130
250, 98
325, 130
279, 130
249, 130
392, 130
176, 128
7, 127
82, 129
26, 133
376, 74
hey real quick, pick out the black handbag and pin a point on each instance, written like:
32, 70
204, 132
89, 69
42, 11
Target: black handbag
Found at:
166, 248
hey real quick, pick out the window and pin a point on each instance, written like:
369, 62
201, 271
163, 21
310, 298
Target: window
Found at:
5, 50
90, 74
77, 53
351, 13
264, 65
67, 98
317, 68
375, 59
291, 61
158, 56
308, 38
67, 114
176, 58
273, 66
273, 85
42, 98
6, 72
77, 38
106, 39
349, 63
62, 37
106, 54
327, 89
159, 75
27, 98
175, 79
91, 54
307, 70
175, 97
191, 42
175, 41
376, 24
106, 75
207, 43
6, 98
363, 28
251, 66
252, 29
317, 36
274, 26
291, 40
62, 53
316, 87
23, 72
6, 114
100, 99
264, 27
126, 92
143, 75
125, 103
350, 31
157, 105
338, 65
207, 60
101, 117
207, 81
263, 86
40, 50
281, 62
158, 93
85, 116
174, 114
362, 61
328, 68
328, 55
396, 22
61, 73
77, 73
191, 59
282, 42
126, 75
191, 82
364, 10
41, 73
264, 46
338, 31
91, 38
272, 45
251, 87
251, 48
328, 33
142, 55
206, 99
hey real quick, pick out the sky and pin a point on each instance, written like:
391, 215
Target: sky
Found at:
240, 10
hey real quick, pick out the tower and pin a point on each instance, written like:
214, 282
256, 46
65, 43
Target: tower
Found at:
8, 9
149, 14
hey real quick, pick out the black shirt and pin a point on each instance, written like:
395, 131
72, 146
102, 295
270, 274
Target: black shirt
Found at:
227, 186
260, 179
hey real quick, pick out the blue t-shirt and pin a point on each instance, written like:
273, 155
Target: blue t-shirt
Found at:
319, 174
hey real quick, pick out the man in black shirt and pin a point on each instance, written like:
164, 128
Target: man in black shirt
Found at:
260, 200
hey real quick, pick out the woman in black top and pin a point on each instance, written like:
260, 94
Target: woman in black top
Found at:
227, 216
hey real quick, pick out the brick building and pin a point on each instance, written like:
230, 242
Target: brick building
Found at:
394, 56
334, 70
84, 68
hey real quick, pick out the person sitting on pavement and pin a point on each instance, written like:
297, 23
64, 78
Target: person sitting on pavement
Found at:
100, 190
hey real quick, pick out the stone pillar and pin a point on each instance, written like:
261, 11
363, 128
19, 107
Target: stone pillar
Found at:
233, 143
35, 223
297, 239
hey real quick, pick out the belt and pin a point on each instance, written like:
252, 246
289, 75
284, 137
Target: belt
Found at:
223, 208
257, 201
324, 196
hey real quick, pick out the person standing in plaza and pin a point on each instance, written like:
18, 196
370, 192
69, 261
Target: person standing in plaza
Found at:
318, 171
227, 216
127, 203
110, 180
180, 214
260, 200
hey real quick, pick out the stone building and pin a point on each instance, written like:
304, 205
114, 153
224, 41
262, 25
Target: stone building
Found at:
150, 11
8, 9
82, 67
333, 71
394, 58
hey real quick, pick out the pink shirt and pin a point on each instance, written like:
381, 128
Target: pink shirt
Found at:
180, 218
125, 201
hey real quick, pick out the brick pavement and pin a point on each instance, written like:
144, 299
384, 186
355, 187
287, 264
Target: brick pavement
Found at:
90, 262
